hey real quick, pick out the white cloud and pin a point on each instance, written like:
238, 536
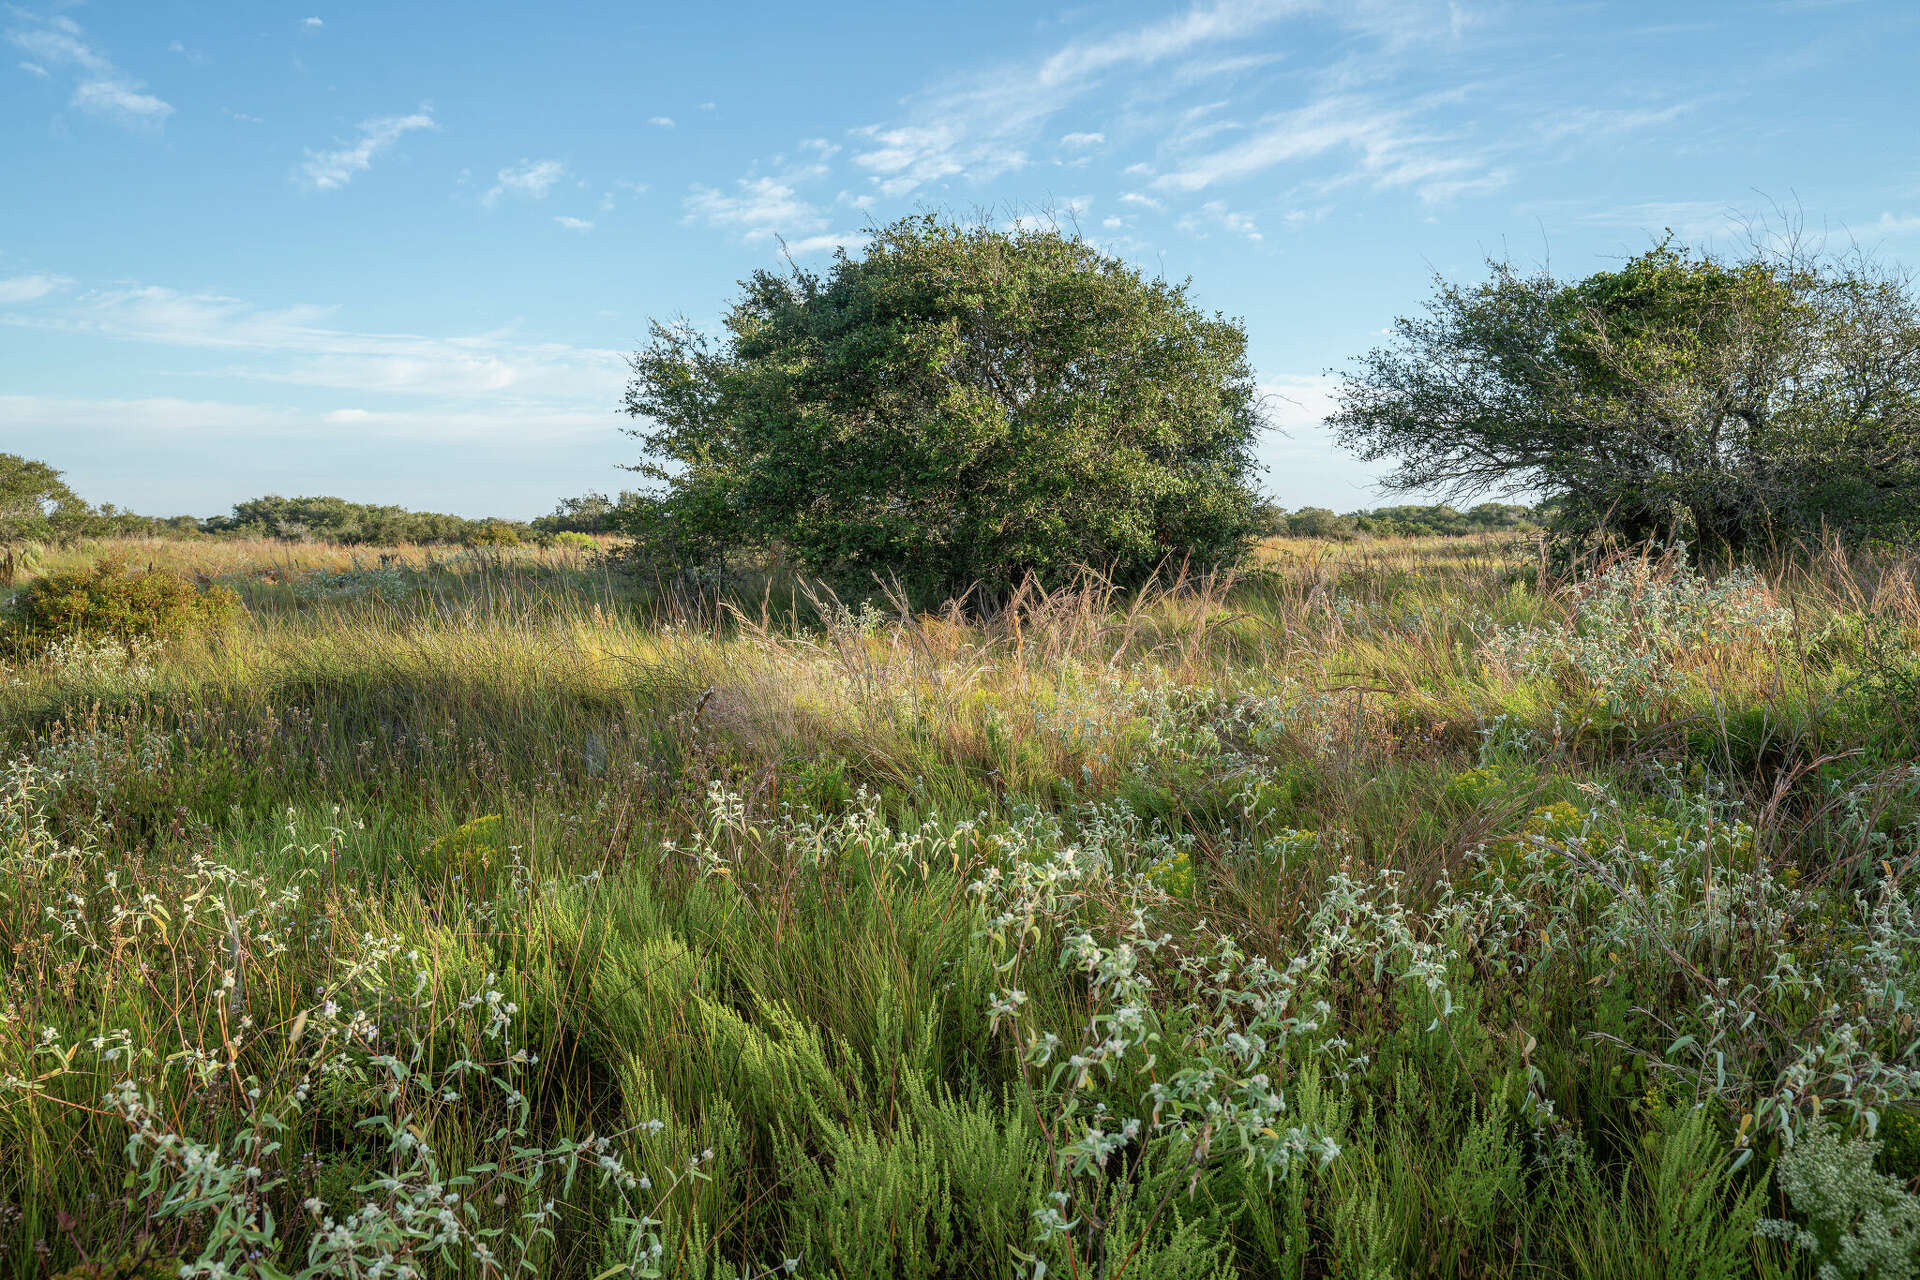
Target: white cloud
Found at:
109, 97
100, 88
1083, 139
330, 170
30, 288
34, 68
204, 419
312, 24
1138, 200
301, 345
757, 209
533, 179
574, 224
1900, 226
665, 122
1216, 214
851, 241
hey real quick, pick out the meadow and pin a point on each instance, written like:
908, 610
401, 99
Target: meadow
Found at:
1394, 908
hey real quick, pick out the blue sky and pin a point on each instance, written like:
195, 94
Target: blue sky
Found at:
400, 252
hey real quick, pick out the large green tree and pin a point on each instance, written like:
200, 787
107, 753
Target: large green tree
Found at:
1731, 403
959, 404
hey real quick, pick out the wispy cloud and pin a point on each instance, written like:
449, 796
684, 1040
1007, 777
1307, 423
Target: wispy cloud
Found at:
530, 178
1215, 215
332, 169
982, 126
1904, 225
305, 346
1385, 146
178, 417
30, 288
311, 24
100, 87
1697, 220
1600, 121
574, 224
34, 69
664, 122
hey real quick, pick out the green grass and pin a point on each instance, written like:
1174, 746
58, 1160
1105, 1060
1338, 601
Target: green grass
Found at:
1390, 911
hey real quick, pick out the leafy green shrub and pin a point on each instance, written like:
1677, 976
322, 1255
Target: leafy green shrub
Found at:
494, 533
107, 602
574, 540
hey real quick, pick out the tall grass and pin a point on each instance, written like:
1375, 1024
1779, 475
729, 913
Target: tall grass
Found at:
1395, 909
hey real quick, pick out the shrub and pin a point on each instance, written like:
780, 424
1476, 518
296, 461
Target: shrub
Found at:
574, 541
107, 602
127, 1267
494, 533
1856, 1222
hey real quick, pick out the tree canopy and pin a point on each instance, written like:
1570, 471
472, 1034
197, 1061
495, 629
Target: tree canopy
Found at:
35, 503
958, 405
1732, 403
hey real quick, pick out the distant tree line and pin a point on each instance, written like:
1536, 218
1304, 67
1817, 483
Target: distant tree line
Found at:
1401, 522
37, 506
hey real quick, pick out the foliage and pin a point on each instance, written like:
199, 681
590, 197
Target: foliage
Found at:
1643, 631
35, 504
491, 533
589, 513
961, 405
1282, 929
107, 601
356, 523
1855, 1222
1737, 404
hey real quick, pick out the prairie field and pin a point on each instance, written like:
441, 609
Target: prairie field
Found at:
1394, 908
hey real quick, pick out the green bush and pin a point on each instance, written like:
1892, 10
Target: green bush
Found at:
574, 541
107, 602
494, 533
